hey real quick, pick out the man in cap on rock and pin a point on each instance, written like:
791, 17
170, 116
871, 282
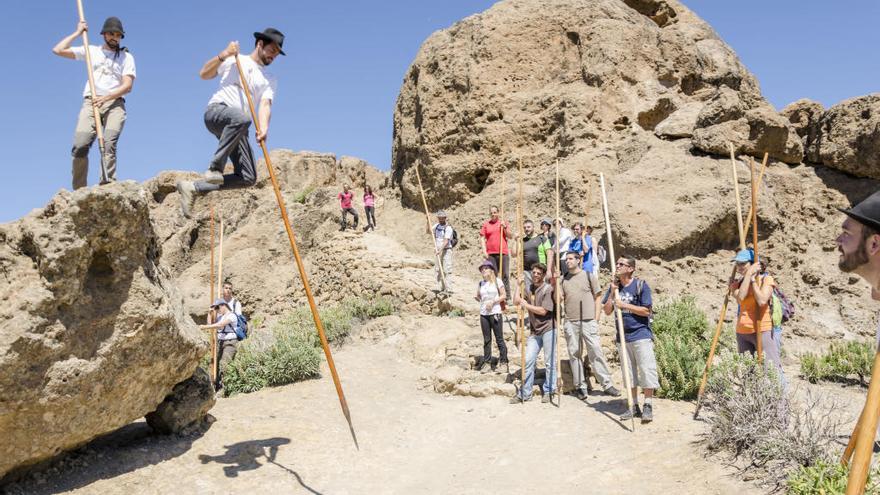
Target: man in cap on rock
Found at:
114, 73
227, 341
443, 248
859, 243
228, 115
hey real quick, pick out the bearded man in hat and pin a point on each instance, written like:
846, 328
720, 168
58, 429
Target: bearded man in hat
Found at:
114, 73
228, 116
859, 244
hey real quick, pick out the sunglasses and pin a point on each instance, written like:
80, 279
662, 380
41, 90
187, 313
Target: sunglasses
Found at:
621, 264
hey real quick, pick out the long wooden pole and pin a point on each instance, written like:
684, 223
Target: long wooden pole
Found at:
437, 255
211, 311
502, 230
865, 435
220, 262
758, 312
558, 292
624, 358
99, 126
723, 314
739, 217
299, 264
520, 314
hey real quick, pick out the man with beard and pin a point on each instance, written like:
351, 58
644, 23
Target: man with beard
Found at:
228, 116
114, 72
859, 243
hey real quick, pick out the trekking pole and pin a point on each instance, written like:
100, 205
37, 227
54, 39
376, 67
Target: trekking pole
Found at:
211, 311
299, 263
723, 314
521, 322
624, 358
437, 255
865, 434
99, 129
558, 296
754, 219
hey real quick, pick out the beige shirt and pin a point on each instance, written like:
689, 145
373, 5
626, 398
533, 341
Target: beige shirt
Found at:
580, 292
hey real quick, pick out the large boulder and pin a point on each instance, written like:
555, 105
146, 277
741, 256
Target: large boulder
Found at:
94, 336
186, 407
847, 137
529, 82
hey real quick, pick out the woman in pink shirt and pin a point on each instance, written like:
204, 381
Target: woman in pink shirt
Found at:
369, 204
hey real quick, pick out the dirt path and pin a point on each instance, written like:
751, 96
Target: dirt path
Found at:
293, 439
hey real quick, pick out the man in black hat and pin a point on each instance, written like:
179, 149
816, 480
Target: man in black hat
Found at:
228, 116
114, 73
859, 242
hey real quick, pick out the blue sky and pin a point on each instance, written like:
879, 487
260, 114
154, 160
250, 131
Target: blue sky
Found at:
339, 82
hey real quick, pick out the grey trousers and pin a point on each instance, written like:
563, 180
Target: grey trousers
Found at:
231, 127
226, 350
746, 342
113, 116
586, 332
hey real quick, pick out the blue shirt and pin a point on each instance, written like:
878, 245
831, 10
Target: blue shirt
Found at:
578, 245
635, 327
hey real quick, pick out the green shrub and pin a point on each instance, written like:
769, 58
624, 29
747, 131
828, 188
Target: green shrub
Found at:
841, 361
301, 196
681, 346
827, 477
292, 350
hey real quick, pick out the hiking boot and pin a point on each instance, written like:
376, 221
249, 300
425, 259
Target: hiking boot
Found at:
612, 391
582, 394
628, 415
504, 367
648, 414
213, 177
547, 398
486, 366
187, 192
516, 399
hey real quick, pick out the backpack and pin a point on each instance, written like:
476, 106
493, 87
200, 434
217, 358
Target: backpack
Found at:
241, 326
601, 255
454, 241
781, 304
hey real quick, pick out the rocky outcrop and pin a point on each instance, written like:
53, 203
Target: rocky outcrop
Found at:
531, 82
94, 334
847, 137
186, 406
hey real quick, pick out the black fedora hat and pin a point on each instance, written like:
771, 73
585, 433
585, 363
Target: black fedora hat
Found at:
272, 35
113, 25
867, 212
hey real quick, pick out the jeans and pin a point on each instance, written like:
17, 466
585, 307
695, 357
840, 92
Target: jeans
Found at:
370, 213
343, 221
112, 115
493, 324
535, 343
586, 332
230, 126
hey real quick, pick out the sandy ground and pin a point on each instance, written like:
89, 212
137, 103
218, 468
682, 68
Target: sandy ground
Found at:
294, 439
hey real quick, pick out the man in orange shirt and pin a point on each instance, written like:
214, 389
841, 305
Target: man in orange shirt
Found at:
753, 292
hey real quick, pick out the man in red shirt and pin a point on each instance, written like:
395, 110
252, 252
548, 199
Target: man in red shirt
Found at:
493, 240
345, 203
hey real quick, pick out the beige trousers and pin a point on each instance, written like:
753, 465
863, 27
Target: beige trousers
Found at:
113, 116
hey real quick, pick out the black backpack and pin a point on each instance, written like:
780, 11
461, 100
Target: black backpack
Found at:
454, 241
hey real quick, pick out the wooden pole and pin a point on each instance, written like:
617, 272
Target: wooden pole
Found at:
211, 311
739, 217
758, 312
437, 255
502, 230
520, 314
220, 262
723, 314
851, 445
624, 358
865, 435
99, 126
302, 271
558, 292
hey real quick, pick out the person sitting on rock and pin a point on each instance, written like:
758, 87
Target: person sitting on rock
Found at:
490, 294
539, 303
227, 342
442, 232
494, 235
229, 296
580, 293
228, 115
634, 301
345, 204
753, 291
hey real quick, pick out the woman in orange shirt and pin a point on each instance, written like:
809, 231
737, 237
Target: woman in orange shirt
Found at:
753, 291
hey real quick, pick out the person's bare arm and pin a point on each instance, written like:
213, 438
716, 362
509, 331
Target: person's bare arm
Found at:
122, 90
265, 114
62, 49
763, 292
209, 69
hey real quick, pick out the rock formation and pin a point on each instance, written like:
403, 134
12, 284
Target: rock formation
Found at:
847, 137
94, 334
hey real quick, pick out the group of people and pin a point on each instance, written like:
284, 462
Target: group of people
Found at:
345, 204
227, 115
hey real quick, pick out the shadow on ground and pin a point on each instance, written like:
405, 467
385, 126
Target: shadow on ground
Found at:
246, 456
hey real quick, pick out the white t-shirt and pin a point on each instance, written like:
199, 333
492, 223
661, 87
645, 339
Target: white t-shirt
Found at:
234, 305
438, 236
261, 83
565, 236
489, 292
108, 68
227, 332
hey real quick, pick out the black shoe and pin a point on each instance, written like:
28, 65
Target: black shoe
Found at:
581, 394
516, 399
612, 391
547, 398
648, 415
630, 415
504, 367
